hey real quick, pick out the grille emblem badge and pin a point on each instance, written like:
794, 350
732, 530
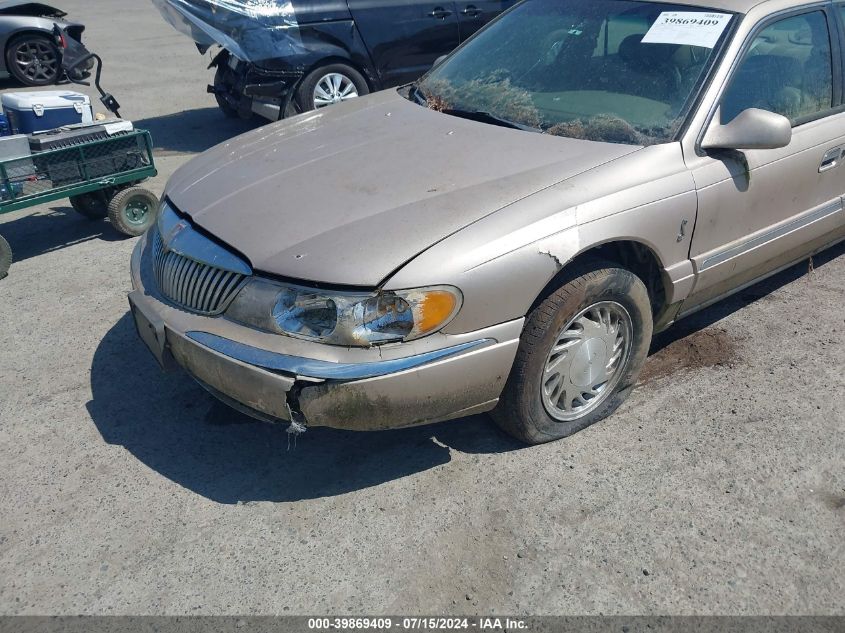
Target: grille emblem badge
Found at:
175, 231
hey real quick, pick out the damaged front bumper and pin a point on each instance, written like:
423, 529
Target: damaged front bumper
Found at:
249, 89
277, 378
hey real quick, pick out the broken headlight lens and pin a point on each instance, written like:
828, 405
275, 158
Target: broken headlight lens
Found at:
345, 318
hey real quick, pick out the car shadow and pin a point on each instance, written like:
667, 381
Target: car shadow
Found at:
174, 427
40, 233
193, 131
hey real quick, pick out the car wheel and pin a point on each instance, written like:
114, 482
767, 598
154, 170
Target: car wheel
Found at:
34, 60
133, 211
93, 205
579, 355
221, 84
328, 85
5, 257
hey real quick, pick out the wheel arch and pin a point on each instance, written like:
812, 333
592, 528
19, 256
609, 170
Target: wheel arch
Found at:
335, 58
634, 255
10, 36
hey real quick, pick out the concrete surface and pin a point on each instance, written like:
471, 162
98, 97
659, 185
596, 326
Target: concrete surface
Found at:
718, 488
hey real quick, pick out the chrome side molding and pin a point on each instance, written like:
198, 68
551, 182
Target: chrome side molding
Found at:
322, 369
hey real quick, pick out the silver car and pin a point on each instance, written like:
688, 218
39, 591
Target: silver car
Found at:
30, 51
506, 234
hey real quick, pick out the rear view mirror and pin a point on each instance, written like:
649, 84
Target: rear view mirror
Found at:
751, 129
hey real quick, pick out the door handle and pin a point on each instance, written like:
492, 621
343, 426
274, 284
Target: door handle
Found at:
471, 11
831, 159
440, 13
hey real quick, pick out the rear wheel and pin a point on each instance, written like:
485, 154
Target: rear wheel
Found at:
5, 257
133, 211
328, 85
33, 59
579, 355
93, 205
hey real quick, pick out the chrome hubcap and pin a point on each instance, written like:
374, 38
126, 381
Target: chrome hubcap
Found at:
586, 361
37, 61
333, 88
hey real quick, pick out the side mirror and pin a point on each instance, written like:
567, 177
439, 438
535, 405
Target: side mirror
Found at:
439, 60
751, 129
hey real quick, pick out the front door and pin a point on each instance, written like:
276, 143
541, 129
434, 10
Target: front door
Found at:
405, 37
761, 210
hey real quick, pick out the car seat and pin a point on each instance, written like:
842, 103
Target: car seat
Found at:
650, 68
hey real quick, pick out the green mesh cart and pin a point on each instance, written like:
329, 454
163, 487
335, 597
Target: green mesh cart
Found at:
99, 174
100, 177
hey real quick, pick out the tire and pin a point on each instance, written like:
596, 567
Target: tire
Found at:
220, 83
349, 81
5, 257
93, 205
133, 211
567, 349
34, 60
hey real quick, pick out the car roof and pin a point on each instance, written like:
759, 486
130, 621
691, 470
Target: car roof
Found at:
737, 6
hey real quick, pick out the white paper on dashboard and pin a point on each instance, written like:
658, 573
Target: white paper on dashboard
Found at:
690, 28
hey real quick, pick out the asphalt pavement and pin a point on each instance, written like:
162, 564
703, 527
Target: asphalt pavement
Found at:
718, 488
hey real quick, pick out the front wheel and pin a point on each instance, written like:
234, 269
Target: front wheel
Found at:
328, 85
133, 211
221, 85
579, 356
5, 257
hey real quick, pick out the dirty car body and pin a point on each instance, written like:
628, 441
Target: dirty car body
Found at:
504, 235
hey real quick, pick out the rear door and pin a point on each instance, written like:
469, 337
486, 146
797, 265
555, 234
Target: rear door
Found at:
405, 37
473, 14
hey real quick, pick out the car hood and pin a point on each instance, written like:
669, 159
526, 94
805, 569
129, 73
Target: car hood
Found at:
349, 194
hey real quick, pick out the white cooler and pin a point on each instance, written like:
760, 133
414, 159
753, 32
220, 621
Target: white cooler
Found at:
31, 112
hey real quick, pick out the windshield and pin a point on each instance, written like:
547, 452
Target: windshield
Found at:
603, 70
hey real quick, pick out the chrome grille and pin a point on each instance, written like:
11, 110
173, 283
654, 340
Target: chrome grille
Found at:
191, 284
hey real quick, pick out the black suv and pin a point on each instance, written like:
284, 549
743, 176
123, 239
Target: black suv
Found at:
305, 54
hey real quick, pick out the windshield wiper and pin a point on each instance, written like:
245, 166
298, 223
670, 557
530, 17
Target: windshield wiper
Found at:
417, 95
487, 117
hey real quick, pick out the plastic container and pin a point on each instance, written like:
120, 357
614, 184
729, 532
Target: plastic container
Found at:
31, 112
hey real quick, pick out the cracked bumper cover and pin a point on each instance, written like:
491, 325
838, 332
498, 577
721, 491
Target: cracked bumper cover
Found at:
275, 377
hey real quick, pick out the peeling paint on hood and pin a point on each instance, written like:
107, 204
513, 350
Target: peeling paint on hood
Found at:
349, 194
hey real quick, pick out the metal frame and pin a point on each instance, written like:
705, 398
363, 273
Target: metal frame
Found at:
16, 202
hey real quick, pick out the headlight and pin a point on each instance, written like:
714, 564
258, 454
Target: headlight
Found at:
345, 318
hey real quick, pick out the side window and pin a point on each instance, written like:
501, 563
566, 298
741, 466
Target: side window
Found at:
787, 70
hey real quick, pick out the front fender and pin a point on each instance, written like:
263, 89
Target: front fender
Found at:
503, 263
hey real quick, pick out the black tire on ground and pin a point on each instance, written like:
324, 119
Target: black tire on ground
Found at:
5, 257
41, 58
521, 411
220, 83
93, 205
132, 211
304, 96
